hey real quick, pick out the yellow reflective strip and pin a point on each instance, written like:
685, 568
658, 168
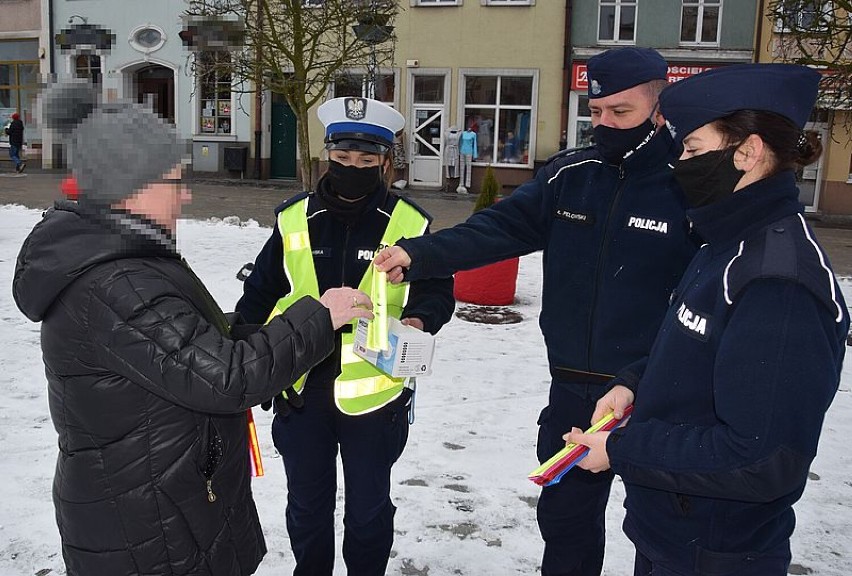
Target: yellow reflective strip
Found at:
297, 241
348, 356
377, 328
363, 386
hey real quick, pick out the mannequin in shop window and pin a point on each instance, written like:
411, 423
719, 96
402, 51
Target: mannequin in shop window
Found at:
469, 153
451, 152
510, 148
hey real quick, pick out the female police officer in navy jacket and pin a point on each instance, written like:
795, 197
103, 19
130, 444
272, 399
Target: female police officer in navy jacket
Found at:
730, 403
346, 219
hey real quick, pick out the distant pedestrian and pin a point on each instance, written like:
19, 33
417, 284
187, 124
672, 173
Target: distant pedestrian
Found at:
15, 132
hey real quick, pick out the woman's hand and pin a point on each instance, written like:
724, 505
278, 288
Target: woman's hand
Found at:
345, 304
413, 322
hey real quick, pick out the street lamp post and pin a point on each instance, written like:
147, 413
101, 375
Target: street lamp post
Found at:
372, 29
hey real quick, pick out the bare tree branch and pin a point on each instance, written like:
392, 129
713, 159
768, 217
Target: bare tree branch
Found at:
817, 33
297, 49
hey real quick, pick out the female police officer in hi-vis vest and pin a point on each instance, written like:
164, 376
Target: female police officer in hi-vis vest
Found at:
324, 239
731, 401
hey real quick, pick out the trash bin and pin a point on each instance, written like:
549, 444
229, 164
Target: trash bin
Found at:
235, 158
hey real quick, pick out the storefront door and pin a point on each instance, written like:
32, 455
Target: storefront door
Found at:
426, 129
426, 141
283, 150
156, 88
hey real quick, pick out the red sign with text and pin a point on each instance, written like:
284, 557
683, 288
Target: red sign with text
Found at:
580, 78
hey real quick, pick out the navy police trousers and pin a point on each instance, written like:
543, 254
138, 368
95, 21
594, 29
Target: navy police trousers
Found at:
308, 440
571, 514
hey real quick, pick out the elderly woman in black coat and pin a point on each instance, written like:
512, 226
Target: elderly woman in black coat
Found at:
147, 390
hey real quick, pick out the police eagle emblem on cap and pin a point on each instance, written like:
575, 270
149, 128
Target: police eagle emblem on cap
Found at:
356, 108
596, 87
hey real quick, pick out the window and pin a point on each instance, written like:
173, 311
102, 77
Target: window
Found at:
147, 39
617, 21
499, 109
356, 84
215, 91
508, 2
812, 15
583, 133
699, 22
436, 2
88, 66
18, 89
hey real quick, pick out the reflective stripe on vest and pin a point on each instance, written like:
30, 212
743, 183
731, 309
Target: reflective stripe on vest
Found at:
361, 387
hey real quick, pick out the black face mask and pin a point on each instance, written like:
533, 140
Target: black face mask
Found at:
351, 182
708, 178
614, 143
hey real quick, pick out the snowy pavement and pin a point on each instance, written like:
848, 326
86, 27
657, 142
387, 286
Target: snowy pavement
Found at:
465, 504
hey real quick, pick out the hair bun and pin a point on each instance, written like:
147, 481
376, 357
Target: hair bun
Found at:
64, 105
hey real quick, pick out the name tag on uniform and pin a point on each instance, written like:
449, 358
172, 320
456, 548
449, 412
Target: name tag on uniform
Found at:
660, 227
574, 217
321, 252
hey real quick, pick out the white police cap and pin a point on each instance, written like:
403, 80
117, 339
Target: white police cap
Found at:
359, 124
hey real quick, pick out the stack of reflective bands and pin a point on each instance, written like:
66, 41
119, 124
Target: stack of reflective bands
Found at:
552, 471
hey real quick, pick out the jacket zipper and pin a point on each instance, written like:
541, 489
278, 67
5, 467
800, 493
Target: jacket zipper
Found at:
601, 259
214, 445
344, 254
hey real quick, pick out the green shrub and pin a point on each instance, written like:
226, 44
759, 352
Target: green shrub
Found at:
488, 191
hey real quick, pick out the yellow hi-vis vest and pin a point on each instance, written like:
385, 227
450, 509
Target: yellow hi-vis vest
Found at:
361, 387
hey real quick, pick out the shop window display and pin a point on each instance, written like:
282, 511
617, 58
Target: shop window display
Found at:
499, 109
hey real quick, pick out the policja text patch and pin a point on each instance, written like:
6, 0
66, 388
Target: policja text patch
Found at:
695, 324
660, 227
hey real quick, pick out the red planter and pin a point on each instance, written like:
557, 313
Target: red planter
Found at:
491, 285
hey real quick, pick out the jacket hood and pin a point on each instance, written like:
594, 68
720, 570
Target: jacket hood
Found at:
68, 242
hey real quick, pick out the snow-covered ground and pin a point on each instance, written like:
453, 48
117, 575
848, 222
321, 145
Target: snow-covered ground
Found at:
465, 504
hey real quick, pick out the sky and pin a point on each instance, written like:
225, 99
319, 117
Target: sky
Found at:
465, 505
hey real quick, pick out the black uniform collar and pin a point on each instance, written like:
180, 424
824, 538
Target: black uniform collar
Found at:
349, 212
724, 223
660, 148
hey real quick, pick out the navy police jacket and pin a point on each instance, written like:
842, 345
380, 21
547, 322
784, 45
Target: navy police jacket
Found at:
342, 251
615, 242
730, 406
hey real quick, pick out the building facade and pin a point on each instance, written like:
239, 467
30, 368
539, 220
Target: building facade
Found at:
495, 66
132, 51
826, 185
692, 35
22, 59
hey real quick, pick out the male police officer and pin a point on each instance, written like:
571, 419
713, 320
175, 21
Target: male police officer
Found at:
611, 223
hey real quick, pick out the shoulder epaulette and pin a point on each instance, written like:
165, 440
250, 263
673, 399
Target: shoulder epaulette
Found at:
786, 251
567, 152
416, 206
290, 201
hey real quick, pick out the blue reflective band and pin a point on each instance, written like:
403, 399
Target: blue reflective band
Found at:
363, 127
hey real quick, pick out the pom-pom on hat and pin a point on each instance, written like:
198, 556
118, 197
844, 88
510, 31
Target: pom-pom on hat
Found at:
114, 149
788, 90
618, 69
359, 124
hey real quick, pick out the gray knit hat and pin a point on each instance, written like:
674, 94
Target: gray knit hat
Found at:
114, 149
